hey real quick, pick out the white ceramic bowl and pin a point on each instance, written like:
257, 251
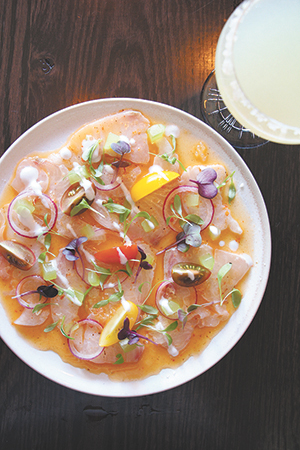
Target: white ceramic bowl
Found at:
50, 134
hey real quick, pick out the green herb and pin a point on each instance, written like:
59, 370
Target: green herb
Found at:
232, 189
47, 244
62, 329
115, 297
236, 297
101, 304
83, 205
51, 327
148, 309
169, 157
148, 320
166, 331
40, 306
120, 359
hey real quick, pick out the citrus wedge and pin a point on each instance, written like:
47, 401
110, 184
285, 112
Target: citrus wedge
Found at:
150, 183
109, 335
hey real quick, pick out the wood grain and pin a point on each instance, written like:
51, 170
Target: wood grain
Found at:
58, 53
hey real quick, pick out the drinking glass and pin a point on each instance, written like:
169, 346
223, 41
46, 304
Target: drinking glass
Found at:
257, 75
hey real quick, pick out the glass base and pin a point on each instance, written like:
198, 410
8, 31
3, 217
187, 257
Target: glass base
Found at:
216, 114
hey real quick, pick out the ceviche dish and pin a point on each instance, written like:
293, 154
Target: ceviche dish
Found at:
126, 250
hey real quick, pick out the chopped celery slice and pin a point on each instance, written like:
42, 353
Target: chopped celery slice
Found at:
76, 175
168, 307
23, 211
192, 200
49, 270
207, 261
111, 139
87, 231
147, 225
126, 347
24, 203
214, 232
156, 132
93, 279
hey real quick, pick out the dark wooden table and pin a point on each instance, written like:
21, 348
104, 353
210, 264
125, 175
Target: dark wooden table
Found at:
56, 53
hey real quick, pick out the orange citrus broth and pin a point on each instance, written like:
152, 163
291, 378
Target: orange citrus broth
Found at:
154, 358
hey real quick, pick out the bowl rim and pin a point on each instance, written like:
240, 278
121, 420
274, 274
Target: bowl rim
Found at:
80, 379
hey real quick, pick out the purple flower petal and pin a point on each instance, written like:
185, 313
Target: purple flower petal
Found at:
205, 183
121, 147
207, 176
133, 340
207, 190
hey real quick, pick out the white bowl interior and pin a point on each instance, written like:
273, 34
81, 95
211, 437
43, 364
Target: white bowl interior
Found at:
50, 134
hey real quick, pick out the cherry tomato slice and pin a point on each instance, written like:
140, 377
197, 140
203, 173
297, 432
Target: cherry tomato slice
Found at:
117, 255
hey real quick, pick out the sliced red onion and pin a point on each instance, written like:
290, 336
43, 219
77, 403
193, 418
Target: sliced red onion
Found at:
109, 177
169, 291
207, 203
85, 342
107, 187
46, 206
24, 291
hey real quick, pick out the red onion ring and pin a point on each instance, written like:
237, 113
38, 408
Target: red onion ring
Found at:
110, 179
183, 189
20, 295
183, 294
107, 187
77, 344
31, 233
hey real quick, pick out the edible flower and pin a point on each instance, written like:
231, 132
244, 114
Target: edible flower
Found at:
205, 183
143, 264
132, 336
120, 147
72, 248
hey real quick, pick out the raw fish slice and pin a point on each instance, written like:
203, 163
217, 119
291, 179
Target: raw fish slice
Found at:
240, 266
64, 309
55, 172
180, 336
164, 147
131, 124
210, 315
74, 227
153, 205
109, 354
67, 276
33, 162
130, 175
222, 217
27, 318
36, 246
6, 269
104, 217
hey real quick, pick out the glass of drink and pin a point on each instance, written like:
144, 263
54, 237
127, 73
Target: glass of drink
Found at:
257, 70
